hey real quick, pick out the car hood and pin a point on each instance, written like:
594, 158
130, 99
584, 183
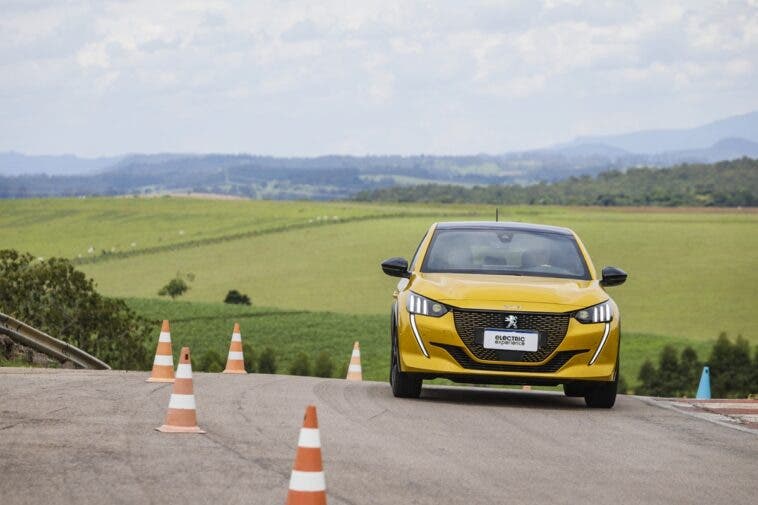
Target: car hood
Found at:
509, 292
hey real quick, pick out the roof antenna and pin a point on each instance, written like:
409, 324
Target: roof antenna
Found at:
497, 214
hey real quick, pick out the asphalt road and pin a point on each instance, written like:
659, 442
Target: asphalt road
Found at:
84, 437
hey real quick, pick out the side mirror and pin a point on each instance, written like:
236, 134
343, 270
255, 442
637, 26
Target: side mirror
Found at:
396, 267
612, 276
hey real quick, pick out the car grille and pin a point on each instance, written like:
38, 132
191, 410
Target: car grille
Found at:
555, 364
470, 325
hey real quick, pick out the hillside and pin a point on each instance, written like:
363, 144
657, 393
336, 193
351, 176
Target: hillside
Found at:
724, 184
339, 177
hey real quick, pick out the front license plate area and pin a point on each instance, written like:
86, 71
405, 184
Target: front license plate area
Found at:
511, 340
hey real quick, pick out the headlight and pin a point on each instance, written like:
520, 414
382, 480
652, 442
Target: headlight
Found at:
417, 304
600, 313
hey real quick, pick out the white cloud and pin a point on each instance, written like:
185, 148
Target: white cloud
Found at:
297, 76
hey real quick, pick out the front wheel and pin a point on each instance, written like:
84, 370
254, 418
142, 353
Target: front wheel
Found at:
404, 385
602, 395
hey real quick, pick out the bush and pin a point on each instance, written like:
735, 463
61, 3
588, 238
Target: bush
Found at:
267, 361
210, 361
54, 297
175, 287
235, 297
733, 374
301, 365
731, 369
622, 387
324, 366
250, 358
690, 369
648, 378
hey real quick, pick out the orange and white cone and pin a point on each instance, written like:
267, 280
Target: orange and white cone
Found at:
354, 371
182, 416
235, 362
163, 364
307, 483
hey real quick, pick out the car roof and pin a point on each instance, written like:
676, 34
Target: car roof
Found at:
502, 225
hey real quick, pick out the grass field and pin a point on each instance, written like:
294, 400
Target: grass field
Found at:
113, 227
692, 273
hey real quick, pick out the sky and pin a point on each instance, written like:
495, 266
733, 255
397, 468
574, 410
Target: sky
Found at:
297, 78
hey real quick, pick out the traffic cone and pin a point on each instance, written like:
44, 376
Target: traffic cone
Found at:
354, 372
307, 484
163, 364
181, 416
704, 389
235, 362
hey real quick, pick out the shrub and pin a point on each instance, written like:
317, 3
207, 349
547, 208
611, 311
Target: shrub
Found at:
210, 361
690, 368
731, 368
250, 358
267, 361
648, 378
301, 365
175, 287
622, 387
324, 366
235, 297
54, 297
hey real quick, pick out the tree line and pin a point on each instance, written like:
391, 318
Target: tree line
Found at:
733, 373
724, 184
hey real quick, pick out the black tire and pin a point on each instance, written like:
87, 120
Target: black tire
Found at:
603, 394
404, 385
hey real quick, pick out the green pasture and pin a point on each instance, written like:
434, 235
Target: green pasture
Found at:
113, 227
692, 273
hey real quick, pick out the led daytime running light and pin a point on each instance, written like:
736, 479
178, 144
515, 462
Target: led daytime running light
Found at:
600, 313
423, 306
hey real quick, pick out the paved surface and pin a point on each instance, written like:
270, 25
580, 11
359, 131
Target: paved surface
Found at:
84, 437
740, 414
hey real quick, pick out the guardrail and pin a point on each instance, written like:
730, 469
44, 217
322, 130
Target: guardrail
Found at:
44, 343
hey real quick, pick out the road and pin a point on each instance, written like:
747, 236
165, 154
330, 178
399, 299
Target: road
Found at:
87, 437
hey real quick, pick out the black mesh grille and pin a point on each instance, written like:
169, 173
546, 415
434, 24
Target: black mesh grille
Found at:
555, 364
471, 324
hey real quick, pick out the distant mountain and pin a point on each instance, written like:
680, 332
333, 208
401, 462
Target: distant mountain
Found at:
334, 177
12, 163
660, 141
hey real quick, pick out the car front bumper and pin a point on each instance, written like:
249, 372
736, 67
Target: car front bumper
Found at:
432, 346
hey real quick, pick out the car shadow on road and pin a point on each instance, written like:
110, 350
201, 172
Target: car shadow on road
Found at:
501, 396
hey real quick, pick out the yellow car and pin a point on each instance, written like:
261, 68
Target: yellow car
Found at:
504, 303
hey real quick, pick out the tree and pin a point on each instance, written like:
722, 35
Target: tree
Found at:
210, 361
324, 366
690, 368
648, 377
301, 365
235, 297
54, 297
267, 361
175, 287
668, 373
731, 369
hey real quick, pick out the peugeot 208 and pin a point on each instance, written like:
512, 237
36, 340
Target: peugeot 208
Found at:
505, 303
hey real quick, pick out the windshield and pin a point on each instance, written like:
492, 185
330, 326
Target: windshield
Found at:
505, 252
